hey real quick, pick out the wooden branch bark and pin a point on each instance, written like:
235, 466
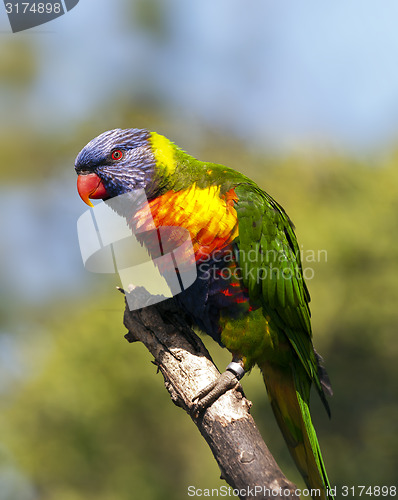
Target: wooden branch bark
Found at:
227, 426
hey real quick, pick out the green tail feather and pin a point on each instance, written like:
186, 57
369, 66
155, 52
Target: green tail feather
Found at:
289, 395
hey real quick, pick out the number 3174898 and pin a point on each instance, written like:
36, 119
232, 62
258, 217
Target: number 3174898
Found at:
33, 8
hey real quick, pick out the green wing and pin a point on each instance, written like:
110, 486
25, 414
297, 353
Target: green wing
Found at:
269, 258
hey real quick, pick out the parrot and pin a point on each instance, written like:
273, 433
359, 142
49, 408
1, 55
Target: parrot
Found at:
249, 295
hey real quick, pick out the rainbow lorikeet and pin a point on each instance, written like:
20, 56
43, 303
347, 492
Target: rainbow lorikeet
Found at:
249, 294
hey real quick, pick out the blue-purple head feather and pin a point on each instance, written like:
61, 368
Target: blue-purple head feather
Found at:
133, 169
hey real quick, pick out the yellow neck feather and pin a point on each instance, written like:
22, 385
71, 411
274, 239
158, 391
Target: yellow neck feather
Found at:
164, 152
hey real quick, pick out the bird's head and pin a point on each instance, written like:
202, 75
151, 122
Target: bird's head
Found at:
116, 162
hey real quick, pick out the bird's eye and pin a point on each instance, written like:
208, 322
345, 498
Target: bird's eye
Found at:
117, 154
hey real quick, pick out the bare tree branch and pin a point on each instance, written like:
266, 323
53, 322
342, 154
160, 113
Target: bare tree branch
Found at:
227, 426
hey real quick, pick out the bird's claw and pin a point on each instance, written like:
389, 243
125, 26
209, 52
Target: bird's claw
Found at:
206, 397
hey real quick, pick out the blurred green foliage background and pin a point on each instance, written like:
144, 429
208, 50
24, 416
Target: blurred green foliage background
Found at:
83, 414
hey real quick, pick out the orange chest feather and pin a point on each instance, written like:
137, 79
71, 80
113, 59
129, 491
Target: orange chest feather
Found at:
209, 217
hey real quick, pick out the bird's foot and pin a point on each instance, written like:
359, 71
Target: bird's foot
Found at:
227, 380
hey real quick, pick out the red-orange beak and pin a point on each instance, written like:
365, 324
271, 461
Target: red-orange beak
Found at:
90, 186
